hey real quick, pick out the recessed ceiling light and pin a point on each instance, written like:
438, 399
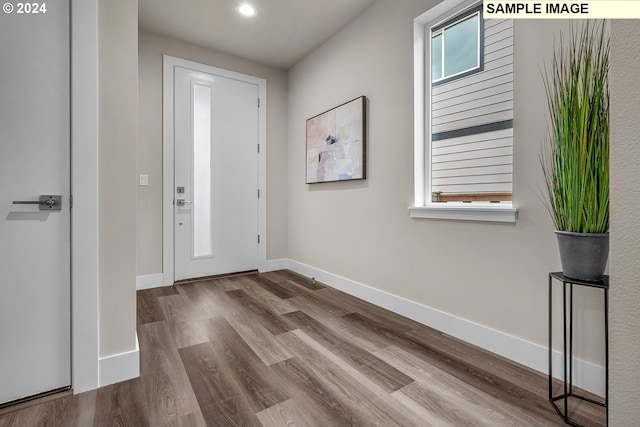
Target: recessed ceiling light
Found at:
247, 10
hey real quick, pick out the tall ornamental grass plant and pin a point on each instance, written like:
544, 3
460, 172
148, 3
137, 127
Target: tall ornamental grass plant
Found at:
576, 160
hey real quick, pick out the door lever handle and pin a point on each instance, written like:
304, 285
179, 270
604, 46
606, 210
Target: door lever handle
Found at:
182, 202
46, 203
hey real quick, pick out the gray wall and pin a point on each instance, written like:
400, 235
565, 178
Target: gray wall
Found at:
625, 224
151, 48
491, 274
118, 134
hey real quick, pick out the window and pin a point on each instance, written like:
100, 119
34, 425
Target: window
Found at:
202, 237
455, 48
463, 114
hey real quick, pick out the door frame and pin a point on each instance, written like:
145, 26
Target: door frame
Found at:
84, 190
169, 63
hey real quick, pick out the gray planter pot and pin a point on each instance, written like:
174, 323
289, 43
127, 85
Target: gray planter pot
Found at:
583, 256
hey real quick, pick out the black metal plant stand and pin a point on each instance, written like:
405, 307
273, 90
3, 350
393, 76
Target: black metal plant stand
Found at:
568, 390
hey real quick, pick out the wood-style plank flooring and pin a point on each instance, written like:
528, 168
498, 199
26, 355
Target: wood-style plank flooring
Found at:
278, 349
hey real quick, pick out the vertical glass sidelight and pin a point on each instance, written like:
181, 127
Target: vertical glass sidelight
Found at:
201, 161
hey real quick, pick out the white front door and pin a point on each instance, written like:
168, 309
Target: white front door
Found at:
34, 161
215, 174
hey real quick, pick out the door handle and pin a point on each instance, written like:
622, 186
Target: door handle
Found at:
182, 202
46, 203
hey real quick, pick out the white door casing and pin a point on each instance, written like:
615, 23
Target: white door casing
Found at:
216, 230
84, 184
35, 311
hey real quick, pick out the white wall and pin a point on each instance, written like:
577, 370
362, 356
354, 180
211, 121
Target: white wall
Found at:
118, 134
625, 224
494, 275
151, 48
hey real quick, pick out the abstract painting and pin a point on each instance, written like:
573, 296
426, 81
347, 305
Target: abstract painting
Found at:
336, 143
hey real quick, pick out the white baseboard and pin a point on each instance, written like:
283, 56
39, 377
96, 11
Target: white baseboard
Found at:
119, 367
276, 264
586, 375
149, 281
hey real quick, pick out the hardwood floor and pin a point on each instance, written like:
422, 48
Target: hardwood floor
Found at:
278, 349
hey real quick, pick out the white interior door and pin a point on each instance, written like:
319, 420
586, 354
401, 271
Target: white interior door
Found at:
215, 174
34, 161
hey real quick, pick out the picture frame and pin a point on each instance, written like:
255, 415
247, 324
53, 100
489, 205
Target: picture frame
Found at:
336, 143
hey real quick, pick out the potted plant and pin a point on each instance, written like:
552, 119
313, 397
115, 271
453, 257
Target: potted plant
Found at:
576, 159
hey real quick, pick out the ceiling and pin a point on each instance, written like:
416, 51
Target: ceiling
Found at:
281, 33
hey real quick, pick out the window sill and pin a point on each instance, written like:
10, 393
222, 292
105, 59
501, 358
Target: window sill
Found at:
504, 213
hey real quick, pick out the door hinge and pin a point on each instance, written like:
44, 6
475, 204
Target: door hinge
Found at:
258, 148
258, 102
258, 239
258, 193
70, 202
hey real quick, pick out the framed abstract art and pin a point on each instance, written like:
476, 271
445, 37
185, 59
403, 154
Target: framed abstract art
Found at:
336, 143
